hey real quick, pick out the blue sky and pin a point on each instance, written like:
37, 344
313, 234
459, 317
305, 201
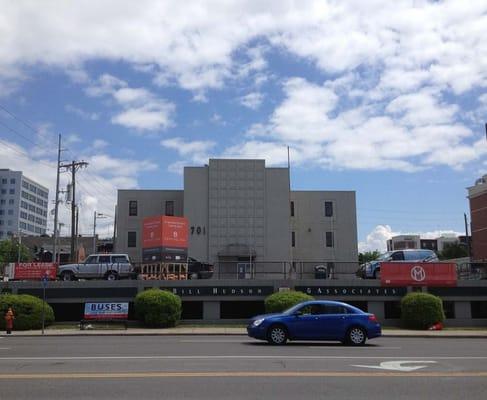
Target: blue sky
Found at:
385, 98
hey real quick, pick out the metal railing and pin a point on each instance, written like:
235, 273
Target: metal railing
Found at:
472, 271
286, 270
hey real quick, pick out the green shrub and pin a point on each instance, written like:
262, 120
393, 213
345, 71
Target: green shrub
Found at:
281, 301
27, 310
158, 308
421, 310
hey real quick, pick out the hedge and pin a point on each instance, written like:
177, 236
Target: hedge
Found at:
421, 310
278, 302
27, 310
158, 308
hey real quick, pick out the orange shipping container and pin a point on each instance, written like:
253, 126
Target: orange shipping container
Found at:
163, 231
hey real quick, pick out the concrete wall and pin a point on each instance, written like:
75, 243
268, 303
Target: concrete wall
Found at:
343, 290
310, 226
149, 203
278, 231
196, 210
236, 207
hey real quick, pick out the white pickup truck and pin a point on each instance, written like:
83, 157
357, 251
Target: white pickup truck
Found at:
99, 266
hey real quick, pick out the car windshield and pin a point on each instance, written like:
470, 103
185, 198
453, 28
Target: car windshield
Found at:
384, 256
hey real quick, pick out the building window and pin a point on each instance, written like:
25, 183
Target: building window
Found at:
131, 239
25, 185
2, 212
329, 239
11, 191
4, 191
133, 208
11, 201
292, 208
293, 239
328, 209
10, 212
2, 201
169, 208
478, 309
12, 181
4, 181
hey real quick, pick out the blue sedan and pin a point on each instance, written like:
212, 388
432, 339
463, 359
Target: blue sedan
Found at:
316, 320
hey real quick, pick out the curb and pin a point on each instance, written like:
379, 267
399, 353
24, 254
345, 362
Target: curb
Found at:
124, 333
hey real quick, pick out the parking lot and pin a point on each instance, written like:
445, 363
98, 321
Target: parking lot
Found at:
198, 367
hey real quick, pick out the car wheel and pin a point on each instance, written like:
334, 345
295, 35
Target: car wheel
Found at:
67, 276
111, 276
377, 274
356, 336
277, 335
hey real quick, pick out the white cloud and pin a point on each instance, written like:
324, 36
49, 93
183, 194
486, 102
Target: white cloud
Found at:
106, 84
155, 115
377, 239
193, 152
252, 100
81, 113
409, 133
99, 144
436, 42
142, 110
96, 185
384, 54
188, 148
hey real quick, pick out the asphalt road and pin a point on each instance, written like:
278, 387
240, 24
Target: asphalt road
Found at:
236, 367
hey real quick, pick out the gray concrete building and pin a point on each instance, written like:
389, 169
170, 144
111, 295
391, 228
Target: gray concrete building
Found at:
240, 211
23, 205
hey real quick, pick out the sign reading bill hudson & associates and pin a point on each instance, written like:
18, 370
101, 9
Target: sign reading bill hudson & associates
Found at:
222, 291
352, 291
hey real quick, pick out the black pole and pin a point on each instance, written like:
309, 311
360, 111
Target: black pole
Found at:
43, 305
467, 238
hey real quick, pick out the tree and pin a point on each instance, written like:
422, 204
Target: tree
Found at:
368, 256
9, 252
453, 250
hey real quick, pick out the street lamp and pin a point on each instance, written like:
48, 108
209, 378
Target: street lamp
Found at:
95, 216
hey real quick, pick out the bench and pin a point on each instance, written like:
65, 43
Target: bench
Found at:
84, 322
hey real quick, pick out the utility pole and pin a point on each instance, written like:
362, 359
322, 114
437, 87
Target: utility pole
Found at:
56, 206
73, 166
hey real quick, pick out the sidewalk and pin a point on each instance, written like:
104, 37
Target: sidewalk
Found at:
481, 333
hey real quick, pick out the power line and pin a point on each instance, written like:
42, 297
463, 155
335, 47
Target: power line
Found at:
23, 153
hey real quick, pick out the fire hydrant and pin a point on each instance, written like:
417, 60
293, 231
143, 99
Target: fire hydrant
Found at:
9, 320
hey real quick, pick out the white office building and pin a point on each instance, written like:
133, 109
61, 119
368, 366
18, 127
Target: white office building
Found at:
23, 205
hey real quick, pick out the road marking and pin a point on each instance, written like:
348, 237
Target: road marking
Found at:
215, 341
229, 357
355, 348
243, 374
397, 365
